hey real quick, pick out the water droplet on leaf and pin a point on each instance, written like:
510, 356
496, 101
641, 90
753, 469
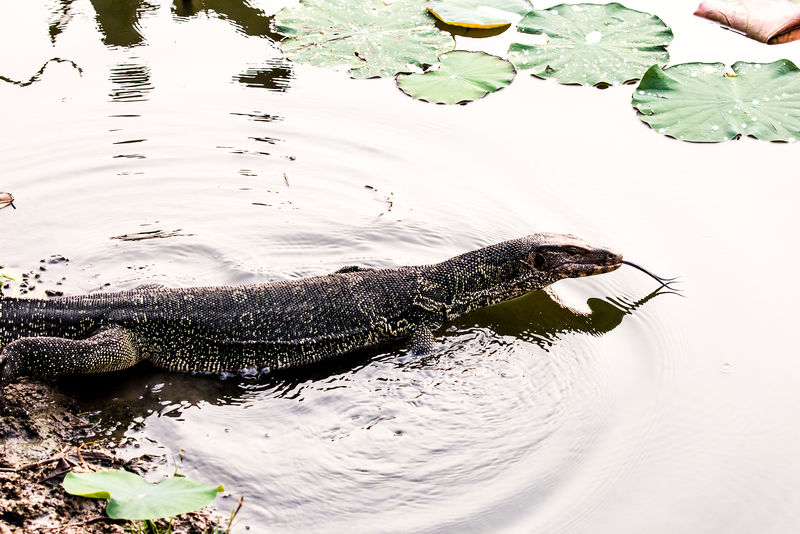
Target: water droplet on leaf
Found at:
594, 37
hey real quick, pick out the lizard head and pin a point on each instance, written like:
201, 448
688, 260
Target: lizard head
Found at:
512, 268
557, 256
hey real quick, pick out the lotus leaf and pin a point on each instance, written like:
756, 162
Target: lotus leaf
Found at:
591, 44
132, 497
461, 77
768, 21
706, 102
372, 38
484, 14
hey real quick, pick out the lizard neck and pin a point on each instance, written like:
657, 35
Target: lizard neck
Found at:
477, 279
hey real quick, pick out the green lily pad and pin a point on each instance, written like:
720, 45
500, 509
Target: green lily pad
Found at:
132, 497
461, 77
706, 102
372, 38
485, 14
591, 44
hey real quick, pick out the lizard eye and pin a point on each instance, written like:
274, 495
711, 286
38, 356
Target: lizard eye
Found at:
572, 250
538, 261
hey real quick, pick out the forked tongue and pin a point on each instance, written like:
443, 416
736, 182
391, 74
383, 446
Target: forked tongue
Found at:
665, 282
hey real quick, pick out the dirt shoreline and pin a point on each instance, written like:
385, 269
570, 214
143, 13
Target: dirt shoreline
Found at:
41, 439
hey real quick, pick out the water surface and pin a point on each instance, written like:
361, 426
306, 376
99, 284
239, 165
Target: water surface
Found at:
174, 144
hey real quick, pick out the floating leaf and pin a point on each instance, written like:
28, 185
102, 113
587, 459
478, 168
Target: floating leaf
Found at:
768, 21
591, 44
706, 102
132, 497
462, 77
485, 14
370, 37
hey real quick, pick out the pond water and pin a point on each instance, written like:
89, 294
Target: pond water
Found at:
174, 144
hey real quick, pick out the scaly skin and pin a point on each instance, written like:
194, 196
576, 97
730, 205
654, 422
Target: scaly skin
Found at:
283, 324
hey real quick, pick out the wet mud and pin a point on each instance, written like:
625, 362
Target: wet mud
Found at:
41, 439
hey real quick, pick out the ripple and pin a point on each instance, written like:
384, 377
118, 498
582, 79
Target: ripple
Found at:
275, 75
489, 425
593, 410
131, 82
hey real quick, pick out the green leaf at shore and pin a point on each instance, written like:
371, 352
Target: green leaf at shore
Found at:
591, 44
370, 37
485, 14
462, 77
706, 102
132, 497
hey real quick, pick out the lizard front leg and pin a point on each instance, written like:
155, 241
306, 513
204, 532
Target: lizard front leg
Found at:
421, 341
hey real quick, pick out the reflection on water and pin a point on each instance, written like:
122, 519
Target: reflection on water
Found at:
540, 317
259, 117
118, 21
274, 76
247, 19
119, 24
131, 83
60, 17
38, 74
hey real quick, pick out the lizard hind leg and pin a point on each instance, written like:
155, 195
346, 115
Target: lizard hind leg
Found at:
109, 349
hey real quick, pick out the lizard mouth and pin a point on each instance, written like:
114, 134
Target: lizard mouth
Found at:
612, 262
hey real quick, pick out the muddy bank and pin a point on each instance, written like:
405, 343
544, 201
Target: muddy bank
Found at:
41, 439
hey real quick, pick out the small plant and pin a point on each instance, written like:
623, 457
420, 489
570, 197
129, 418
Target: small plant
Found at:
132, 497
147, 527
234, 512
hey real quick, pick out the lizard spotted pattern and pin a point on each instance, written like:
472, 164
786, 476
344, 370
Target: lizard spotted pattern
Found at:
282, 324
